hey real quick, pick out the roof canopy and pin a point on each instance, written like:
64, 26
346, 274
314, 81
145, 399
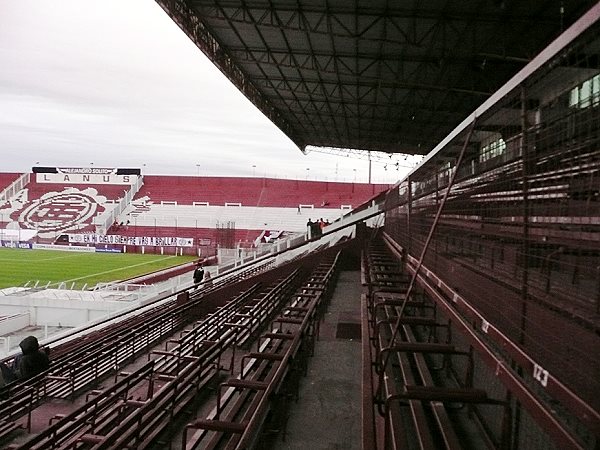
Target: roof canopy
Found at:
376, 74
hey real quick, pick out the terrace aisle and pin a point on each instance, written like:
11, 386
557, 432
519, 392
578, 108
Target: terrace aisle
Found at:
327, 415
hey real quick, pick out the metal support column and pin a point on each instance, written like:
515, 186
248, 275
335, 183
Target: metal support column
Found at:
525, 158
408, 216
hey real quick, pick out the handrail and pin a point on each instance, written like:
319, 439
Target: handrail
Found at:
15, 186
461, 309
107, 218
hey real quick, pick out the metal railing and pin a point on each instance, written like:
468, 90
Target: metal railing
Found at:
103, 221
15, 186
516, 241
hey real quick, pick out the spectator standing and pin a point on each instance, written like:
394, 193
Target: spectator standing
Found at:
309, 228
321, 225
198, 274
316, 227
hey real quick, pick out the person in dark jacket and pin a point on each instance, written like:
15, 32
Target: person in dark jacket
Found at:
198, 274
34, 361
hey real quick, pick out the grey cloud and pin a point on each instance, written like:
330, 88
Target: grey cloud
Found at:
117, 83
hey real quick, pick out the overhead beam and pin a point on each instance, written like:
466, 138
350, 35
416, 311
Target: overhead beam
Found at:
263, 54
239, 12
371, 83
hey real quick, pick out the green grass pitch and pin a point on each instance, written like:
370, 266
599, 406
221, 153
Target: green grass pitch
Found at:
18, 266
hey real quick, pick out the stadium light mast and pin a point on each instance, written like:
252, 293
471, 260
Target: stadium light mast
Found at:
369, 167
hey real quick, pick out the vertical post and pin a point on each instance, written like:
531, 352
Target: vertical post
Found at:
437, 204
525, 192
437, 187
598, 290
524, 251
369, 167
408, 216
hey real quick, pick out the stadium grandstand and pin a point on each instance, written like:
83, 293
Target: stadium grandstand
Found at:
457, 309
81, 206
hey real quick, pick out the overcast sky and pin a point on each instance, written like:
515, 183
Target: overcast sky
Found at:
116, 83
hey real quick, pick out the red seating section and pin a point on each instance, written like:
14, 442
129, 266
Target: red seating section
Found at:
110, 191
263, 192
7, 178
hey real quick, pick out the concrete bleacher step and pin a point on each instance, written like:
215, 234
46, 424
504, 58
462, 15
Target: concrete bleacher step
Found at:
263, 192
256, 218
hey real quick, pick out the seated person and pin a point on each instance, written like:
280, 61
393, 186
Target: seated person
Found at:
32, 362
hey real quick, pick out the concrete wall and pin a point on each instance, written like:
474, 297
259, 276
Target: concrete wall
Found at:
59, 312
14, 323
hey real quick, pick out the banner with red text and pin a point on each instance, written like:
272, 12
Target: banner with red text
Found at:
115, 239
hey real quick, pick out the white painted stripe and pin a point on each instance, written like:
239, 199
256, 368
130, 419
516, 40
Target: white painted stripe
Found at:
117, 269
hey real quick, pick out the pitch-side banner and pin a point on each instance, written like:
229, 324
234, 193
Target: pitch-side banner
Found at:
131, 240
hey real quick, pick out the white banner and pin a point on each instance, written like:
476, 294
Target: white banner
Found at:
115, 239
64, 248
85, 178
87, 170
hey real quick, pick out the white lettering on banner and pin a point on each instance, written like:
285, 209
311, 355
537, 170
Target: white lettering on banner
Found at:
88, 178
64, 248
116, 239
100, 170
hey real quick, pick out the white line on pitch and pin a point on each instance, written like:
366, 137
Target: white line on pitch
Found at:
115, 270
41, 259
